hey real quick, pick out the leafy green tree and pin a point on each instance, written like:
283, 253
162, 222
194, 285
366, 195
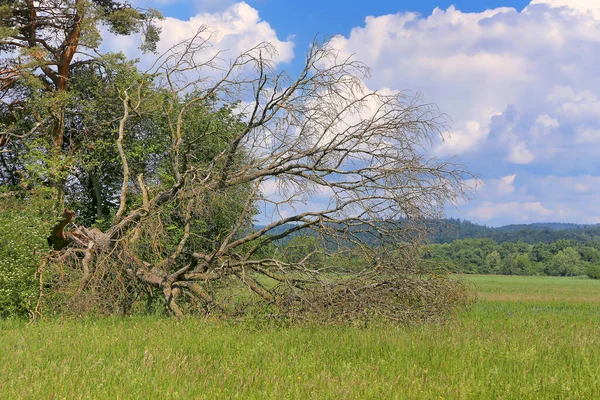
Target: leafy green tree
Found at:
92, 122
470, 259
507, 248
593, 271
589, 254
493, 262
594, 242
515, 264
46, 42
437, 251
304, 249
540, 252
562, 244
26, 222
566, 262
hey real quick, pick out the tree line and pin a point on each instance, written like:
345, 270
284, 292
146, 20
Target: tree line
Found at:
448, 230
486, 256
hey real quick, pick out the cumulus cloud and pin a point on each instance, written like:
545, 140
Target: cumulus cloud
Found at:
573, 6
235, 29
515, 211
520, 87
531, 198
506, 184
285, 200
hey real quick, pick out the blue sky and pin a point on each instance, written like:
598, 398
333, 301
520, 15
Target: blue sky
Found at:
518, 78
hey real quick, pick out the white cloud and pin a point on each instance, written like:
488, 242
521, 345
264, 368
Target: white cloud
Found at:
587, 135
235, 29
546, 121
520, 154
536, 199
463, 140
269, 187
521, 87
573, 6
474, 65
514, 211
506, 185
584, 188
496, 188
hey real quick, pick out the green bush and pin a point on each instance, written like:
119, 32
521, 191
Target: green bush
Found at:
24, 226
593, 271
304, 249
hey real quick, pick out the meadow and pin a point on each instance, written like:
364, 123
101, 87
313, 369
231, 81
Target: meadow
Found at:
525, 338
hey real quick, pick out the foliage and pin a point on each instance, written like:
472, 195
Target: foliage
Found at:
448, 230
25, 223
45, 47
304, 249
484, 256
593, 271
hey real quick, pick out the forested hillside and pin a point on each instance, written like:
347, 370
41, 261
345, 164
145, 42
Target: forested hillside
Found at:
450, 229
447, 230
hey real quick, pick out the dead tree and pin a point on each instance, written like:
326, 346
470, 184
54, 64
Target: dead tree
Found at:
324, 133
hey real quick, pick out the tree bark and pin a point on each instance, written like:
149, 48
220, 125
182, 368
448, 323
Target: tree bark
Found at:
58, 239
86, 238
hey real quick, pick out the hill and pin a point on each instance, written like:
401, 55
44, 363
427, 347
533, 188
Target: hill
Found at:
447, 230
450, 229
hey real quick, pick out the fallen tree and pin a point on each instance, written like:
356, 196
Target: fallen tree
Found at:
243, 138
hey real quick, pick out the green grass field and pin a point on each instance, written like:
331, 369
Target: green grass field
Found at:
526, 338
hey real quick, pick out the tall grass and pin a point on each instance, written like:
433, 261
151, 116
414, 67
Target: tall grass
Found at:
510, 349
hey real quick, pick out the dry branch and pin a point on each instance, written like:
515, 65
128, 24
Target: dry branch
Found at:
323, 132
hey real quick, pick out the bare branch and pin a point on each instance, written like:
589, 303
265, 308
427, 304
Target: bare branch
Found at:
324, 159
125, 185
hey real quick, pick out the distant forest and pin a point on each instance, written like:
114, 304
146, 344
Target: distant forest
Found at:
448, 230
451, 229
554, 249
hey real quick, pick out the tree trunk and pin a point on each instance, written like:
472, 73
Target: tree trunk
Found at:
58, 239
97, 194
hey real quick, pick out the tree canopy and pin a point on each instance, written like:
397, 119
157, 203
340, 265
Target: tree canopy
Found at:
46, 46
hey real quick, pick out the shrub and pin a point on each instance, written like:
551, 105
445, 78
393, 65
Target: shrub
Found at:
24, 225
593, 271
